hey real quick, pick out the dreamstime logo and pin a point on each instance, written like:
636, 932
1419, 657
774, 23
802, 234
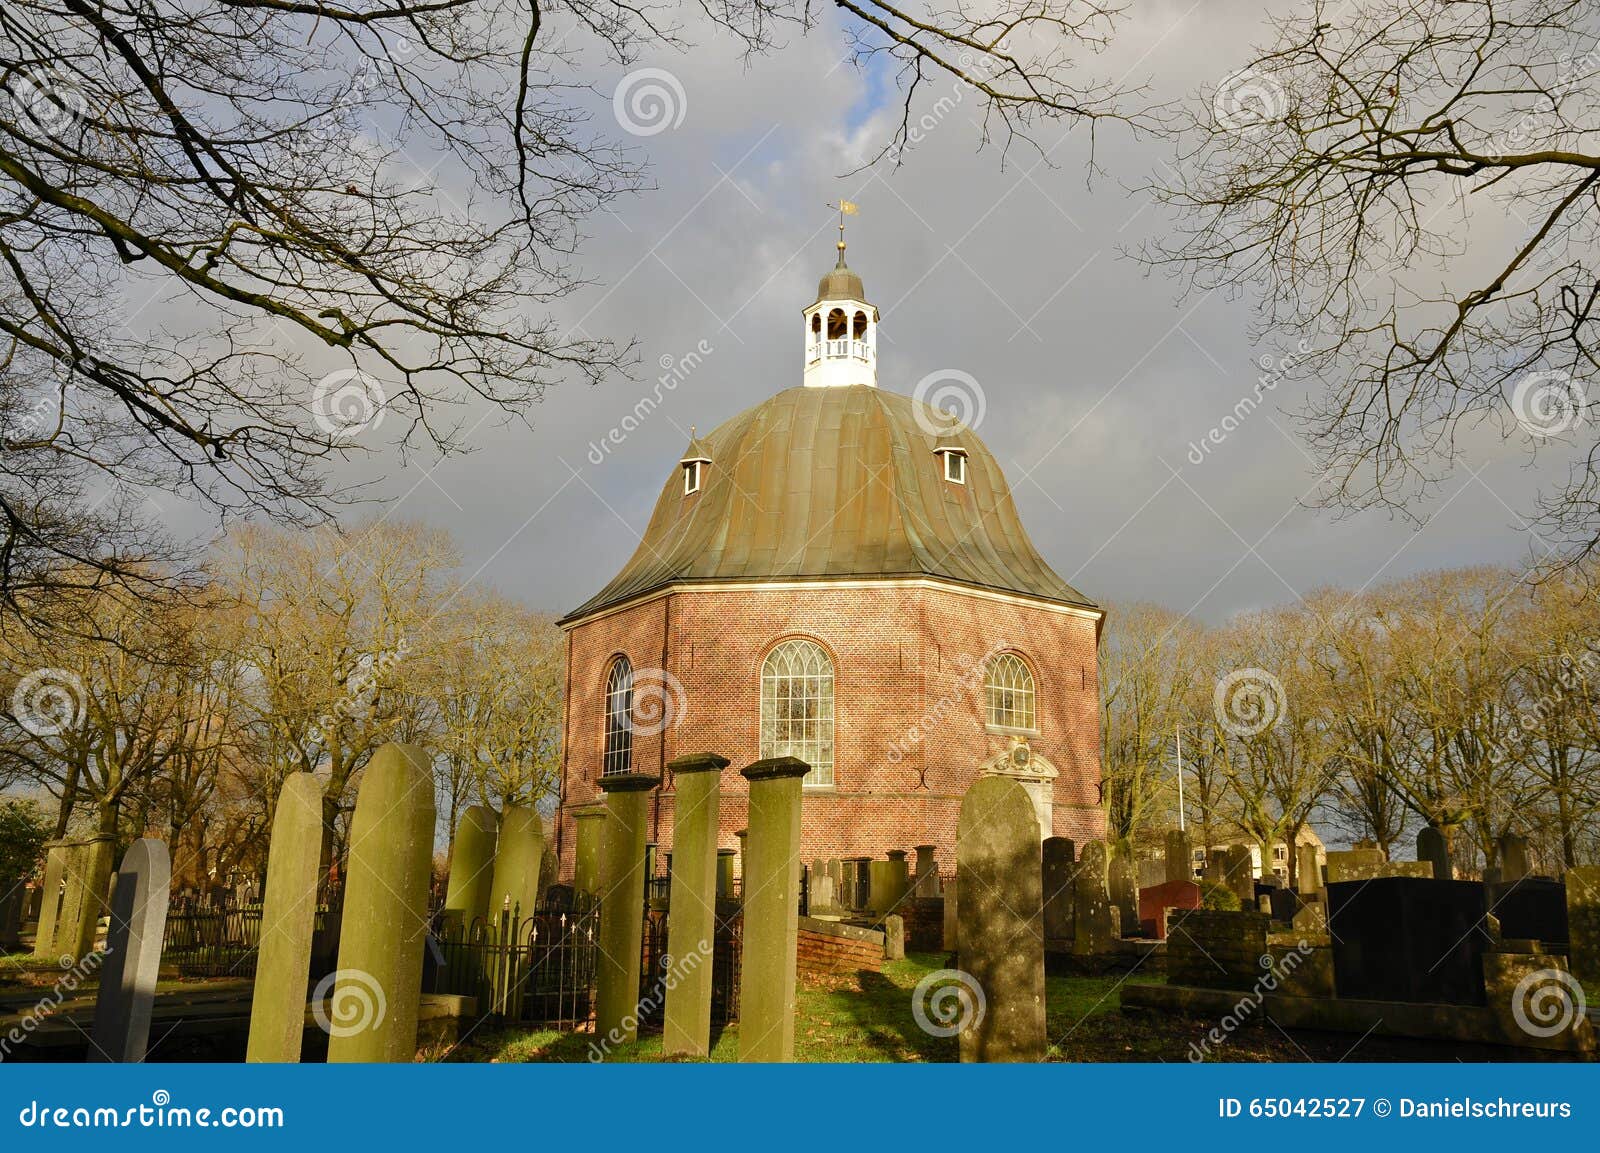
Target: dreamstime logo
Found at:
48, 702
347, 1002
1277, 970
1547, 1002
659, 701
47, 99
76, 972
972, 675
1548, 403
1247, 99
361, 687
947, 1001
676, 969
953, 394
674, 371
649, 101
1248, 701
1273, 373
345, 402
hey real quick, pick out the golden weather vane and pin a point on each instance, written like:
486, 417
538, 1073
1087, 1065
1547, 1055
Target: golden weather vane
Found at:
846, 208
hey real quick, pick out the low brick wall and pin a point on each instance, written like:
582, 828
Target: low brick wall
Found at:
1216, 950
828, 949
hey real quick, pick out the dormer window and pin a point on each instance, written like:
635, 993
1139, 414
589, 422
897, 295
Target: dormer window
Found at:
691, 476
955, 464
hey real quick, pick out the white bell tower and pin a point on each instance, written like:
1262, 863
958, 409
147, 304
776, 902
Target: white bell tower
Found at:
841, 329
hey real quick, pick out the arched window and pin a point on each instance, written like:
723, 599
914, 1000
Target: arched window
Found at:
797, 707
1008, 687
838, 326
618, 756
860, 331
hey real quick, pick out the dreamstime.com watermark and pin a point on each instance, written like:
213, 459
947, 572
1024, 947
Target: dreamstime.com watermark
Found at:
160, 1113
361, 687
348, 1002
1248, 702
1548, 1002
1273, 373
49, 702
1275, 971
947, 1001
675, 370
972, 675
677, 969
65, 985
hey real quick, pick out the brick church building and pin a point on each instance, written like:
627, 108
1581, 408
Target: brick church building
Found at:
838, 574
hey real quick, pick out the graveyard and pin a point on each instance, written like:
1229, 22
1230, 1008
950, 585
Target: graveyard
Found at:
1017, 954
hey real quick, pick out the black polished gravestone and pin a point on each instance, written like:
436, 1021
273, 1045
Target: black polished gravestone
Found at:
1534, 908
1408, 939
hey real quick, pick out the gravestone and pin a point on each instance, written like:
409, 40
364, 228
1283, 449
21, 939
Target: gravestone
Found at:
1156, 900
288, 922
1122, 887
771, 911
927, 872
1432, 847
691, 916
87, 878
590, 822
519, 855
894, 937
821, 896
725, 873
133, 954
11, 905
1179, 856
1513, 857
1241, 868
1583, 922
472, 865
952, 925
999, 932
899, 877
1094, 917
621, 885
1056, 879
372, 1014
880, 887
1408, 939
1308, 871
55, 869
1355, 865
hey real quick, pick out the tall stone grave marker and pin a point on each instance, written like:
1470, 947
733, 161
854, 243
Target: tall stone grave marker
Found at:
133, 954
472, 860
1179, 856
288, 922
771, 910
1000, 926
622, 905
1094, 919
55, 869
517, 861
384, 928
590, 822
1124, 891
1058, 890
1513, 857
1431, 847
692, 911
1307, 871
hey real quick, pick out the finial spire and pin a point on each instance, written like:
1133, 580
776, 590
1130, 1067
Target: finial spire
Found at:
846, 208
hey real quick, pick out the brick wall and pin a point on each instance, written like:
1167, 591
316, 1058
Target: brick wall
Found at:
828, 949
901, 653
1215, 949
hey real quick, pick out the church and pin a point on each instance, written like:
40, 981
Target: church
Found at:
838, 574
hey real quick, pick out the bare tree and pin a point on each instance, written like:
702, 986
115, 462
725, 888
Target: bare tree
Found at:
1410, 187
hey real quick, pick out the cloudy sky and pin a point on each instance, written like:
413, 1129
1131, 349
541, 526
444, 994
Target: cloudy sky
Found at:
1096, 378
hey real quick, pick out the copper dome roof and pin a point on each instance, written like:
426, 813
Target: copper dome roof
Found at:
819, 483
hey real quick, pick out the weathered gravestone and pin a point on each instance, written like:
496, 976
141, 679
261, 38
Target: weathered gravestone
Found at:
1179, 862
725, 859
926, 879
1000, 937
1307, 871
1058, 891
952, 925
894, 937
11, 903
133, 954
899, 877
622, 880
692, 911
519, 855
1513, 857
86, 877
471, 865
55, 867
372, 1014
288, 922
771, 911
1094, 918
1583, 922
1241, 875
1355, 865
1120, 883
590, 822
1434, 849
